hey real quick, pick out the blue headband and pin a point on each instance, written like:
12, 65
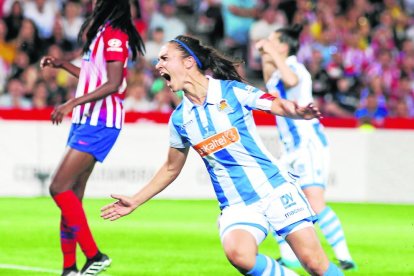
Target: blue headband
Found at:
190, 52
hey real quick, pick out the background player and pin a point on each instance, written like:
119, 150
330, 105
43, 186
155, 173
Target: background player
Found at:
215, 119
305, 144
96, 122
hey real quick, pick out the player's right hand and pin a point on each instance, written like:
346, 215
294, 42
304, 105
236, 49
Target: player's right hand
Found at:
49, 61
120, 208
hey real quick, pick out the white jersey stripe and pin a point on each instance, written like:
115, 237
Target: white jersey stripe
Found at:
95, 113
118, 116
222, 131
109, 112
93, 74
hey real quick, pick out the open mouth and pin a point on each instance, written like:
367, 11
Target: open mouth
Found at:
166, 76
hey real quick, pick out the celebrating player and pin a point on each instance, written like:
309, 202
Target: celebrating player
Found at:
305, 144
96, 122
215, 119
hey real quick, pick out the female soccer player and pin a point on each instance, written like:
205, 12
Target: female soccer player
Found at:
96, 122
305, 144
215, 119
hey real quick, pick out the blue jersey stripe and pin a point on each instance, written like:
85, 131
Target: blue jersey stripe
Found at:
241, 181
221, 197
318, 131
200, 124
270, 169
178, 119
290, 122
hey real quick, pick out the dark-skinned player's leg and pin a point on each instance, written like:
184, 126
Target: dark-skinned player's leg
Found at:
67, 189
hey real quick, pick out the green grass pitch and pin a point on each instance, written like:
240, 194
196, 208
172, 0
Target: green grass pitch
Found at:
180, 237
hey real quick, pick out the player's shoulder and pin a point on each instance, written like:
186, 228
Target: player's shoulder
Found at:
111, 31
177, 113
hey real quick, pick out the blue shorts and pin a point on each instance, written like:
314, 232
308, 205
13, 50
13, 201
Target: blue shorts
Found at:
96, 140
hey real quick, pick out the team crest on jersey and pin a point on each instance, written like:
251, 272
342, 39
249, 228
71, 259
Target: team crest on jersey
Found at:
223, 106
114, 45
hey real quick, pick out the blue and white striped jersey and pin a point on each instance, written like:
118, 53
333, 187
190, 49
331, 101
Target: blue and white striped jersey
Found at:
295, 133
223, 132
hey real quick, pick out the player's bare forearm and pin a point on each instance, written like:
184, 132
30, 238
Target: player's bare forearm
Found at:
164, 177
292, 110
115, 71
71, 69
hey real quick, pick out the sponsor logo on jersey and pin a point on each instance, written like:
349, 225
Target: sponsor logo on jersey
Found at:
223, 106
287, 200
217, 142
114, 45
295, 211
186, 124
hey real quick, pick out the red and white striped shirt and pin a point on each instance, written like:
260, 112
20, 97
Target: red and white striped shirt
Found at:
109, 45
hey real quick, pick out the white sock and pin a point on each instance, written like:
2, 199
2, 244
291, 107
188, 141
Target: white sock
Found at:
332, 230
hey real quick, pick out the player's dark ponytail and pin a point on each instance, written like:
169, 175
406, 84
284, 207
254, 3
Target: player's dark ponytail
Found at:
290, 36
208, 58
118, 14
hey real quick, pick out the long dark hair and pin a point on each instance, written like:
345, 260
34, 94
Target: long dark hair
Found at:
222, 67
118, 14
290, 36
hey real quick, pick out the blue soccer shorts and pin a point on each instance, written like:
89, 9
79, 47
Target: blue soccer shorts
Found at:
95, 140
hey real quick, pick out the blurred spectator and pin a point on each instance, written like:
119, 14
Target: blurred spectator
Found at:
344, 101
167, 20
40, 95
1, 8
136, 99
271, 19
7, 49
14, 96
139, 23
71, 21
20, 63
344, 44
321, 81
372, 111
238, 16
14, 20
163, 99
42, 13
153, 46
29, 41
209, 22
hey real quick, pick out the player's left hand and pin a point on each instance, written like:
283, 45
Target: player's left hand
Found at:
308, 112
60, 112
120, 208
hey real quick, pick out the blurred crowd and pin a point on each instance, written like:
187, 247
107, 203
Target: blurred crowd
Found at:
360, 53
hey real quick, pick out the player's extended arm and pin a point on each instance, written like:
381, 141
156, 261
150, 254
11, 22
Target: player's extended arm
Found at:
292, 110
114, 75
49, 61
164, 177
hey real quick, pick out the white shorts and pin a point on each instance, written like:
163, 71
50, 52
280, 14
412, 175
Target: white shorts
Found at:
284, 211
310, 163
